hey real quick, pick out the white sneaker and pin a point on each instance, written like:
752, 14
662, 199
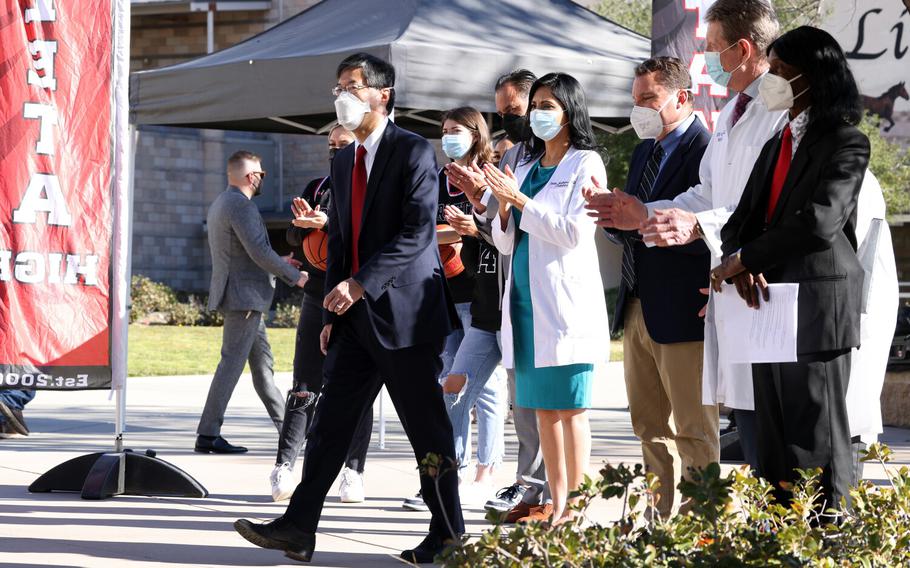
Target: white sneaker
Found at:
282, 478
351, 490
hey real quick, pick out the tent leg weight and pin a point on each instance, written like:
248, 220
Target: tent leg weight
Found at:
102, 475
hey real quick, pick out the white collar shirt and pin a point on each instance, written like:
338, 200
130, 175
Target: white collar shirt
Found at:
372, 144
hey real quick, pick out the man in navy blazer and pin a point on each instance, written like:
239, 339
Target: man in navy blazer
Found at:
387, 312
659, 299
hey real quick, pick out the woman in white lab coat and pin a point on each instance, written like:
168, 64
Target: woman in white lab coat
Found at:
554, 317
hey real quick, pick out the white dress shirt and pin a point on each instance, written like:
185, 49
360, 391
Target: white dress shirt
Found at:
372, 144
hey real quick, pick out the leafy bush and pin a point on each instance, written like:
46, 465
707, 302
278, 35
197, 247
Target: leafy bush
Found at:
209, 318
148, 296
733, 521
184, 314
286, 315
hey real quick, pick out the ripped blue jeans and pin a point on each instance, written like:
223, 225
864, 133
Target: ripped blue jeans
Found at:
477, 358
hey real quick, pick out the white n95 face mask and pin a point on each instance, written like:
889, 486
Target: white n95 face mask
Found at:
647, 122
777, 92
350, 110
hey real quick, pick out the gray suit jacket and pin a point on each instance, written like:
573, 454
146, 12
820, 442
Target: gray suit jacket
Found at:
243, 261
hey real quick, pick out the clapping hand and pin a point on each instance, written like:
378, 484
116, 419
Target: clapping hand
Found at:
306, 217
469, 180
613, 210
670, 227
462, 223
504, 186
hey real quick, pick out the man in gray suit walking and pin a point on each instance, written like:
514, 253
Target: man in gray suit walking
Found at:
243, 265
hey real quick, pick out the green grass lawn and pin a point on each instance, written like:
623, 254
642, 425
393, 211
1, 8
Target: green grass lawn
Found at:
171, 350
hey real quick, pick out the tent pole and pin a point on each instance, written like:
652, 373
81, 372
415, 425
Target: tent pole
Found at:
210, 26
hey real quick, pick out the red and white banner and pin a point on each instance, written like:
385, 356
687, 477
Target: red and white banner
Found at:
57, 190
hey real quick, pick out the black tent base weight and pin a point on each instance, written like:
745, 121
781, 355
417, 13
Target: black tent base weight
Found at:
106, 474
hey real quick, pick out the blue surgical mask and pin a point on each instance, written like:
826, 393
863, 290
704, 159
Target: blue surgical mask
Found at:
456, 146
716, 68
544, 124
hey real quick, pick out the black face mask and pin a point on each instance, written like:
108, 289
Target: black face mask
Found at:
332, 152
516, 127
257, 189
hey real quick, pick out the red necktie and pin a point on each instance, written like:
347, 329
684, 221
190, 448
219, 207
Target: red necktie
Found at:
780, 170
742, 101
358, 192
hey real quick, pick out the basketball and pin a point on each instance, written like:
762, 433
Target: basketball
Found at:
450, 255
316, 248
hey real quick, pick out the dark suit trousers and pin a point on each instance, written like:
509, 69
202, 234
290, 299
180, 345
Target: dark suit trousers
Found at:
353, 367
801, 418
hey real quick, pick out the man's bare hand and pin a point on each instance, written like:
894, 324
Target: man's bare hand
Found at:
324, 337
614, 210
670, 227
289, 258
343, 296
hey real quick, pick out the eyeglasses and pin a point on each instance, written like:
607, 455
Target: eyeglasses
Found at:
261, 174
352, 88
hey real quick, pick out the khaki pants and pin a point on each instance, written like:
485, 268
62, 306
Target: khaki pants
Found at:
664, 381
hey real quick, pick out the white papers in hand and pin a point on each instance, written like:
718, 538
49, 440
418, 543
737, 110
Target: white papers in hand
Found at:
765, 335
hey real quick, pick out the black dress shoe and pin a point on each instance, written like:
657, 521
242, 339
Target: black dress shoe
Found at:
13, 417
216, 445
428, 549
279, 534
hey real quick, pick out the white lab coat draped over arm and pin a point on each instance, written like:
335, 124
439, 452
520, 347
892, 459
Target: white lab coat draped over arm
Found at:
869, 361
567, 296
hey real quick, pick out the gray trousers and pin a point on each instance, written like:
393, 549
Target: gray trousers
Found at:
243, 340
531, 470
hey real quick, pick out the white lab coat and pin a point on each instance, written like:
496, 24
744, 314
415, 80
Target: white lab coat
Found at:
724, 171
569, 308
868, 362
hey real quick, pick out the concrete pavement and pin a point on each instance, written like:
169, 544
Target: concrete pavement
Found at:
61, 529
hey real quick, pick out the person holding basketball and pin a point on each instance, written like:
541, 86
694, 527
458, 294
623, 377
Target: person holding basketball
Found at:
307, 232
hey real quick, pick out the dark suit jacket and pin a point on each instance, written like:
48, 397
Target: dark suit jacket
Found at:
406, 296
811, 237
669, 278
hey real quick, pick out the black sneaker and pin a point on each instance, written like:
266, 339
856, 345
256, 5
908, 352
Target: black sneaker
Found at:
415, 503
13, 417
506, 499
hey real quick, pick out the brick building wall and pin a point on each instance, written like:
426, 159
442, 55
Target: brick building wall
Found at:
179, 171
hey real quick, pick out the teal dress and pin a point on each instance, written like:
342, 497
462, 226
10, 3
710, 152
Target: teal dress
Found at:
552, 388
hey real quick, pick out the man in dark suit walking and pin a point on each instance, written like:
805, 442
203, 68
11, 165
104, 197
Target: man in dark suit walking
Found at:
659, 298
243, 264
388, 312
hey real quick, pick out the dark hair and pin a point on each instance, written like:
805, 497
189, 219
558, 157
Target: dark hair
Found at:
567, 90
753, 20
521, 79
377, 73
470, 118
670, 72
835, 96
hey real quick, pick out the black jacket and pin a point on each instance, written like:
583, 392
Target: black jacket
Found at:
406, 296
811, 237
668, 279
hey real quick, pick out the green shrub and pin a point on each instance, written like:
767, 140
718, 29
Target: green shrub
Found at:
148, 296
184, 314
286, 315
733, 521
210, 318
